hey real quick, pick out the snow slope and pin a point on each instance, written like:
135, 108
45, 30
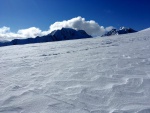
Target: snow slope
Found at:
97, 75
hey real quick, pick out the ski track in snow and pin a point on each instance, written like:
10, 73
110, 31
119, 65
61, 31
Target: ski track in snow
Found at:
97, 75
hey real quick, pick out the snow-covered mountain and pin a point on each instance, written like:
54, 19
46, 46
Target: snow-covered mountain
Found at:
122, 30
57, 35
95, 75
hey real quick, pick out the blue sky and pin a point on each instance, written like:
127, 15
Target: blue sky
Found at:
22, 14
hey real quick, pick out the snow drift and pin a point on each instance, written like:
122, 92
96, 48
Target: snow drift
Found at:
96, 75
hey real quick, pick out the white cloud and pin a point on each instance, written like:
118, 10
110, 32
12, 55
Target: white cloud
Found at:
4, 29
6, 34
77, 23
109, 28
30, 32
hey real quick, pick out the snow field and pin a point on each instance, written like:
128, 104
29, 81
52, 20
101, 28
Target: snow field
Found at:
97, 75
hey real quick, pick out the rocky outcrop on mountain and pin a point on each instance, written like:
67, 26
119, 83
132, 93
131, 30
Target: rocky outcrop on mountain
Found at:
69, 34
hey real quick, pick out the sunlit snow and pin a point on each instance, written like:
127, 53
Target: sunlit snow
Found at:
97, 75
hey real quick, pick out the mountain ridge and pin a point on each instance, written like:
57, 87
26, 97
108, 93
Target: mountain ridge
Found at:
56, 35
122, 30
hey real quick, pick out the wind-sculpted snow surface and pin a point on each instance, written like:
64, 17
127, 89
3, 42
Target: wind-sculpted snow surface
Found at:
97, 75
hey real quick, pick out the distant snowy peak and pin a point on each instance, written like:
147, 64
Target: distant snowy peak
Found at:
122, 30
57, 35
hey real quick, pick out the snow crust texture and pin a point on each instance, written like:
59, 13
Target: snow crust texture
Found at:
97, 75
